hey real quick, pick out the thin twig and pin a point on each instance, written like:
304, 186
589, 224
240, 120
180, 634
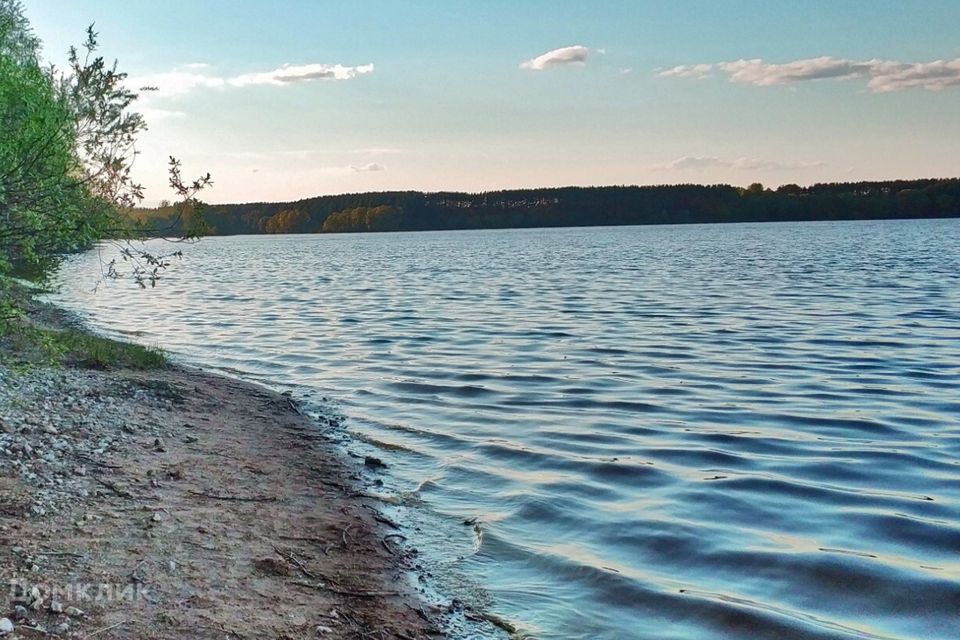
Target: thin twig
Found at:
387, 546
98, 463
292, 558
202, 546
348, 592
35, 629
123, 493
70, 554
99, 631
293, 405
214, 496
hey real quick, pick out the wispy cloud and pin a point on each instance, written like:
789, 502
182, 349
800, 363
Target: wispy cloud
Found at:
194, 76
575, 55
696, 71
695, 163
177, 82
329, 170
289, 74
311, 154
370, 166
378, 151
883, 76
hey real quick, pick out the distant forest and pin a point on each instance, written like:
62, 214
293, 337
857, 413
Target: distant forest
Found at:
570, 206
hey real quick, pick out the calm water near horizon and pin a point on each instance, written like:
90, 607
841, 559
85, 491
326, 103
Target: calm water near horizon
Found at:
690, 432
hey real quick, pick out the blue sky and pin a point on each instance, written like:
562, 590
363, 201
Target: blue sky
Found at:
289, 99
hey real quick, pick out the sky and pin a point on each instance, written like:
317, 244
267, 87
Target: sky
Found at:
289, 99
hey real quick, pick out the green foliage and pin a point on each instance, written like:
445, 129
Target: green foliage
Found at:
17, 40
288, 221
52, 347
66, 153
382, 218
588, 206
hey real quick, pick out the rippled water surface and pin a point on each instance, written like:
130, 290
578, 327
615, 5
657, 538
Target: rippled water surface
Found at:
719, 431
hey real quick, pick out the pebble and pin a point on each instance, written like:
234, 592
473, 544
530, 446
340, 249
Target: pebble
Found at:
56, 426
54, 423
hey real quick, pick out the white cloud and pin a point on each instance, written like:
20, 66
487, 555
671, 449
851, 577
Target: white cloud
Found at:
189, 77
697, 71
575, 55
933, 76
763, 74
370, 166
176, 83
882, 76
696, 163
288, 74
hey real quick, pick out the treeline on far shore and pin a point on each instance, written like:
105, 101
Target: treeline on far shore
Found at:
573, 206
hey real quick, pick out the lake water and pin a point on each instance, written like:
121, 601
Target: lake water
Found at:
709, 431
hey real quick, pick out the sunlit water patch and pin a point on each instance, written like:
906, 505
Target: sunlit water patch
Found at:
690, 432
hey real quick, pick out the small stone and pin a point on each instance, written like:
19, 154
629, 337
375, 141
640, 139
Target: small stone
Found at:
374, 463
73, 612
157, 517
56, 606
6, 626
20, 612
61, 628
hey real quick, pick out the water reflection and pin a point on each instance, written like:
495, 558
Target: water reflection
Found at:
662, 432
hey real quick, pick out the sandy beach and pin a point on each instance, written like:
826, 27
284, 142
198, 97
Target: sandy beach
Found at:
172, 503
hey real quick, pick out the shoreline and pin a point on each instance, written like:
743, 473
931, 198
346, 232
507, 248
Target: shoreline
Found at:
175, 502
